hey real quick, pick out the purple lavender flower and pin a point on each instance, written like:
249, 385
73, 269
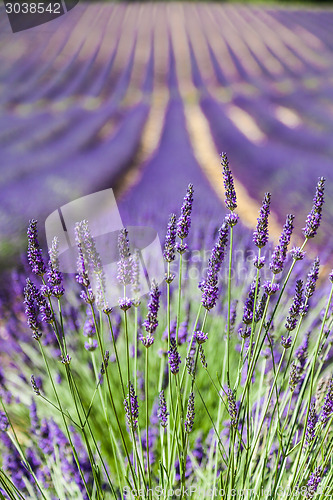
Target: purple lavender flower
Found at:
259, 263
34, 385
54, 275
31, 295
200, 336
260, 235
232, 407
189, 421
184, 221
105, 363
286, 342
35, 256
313, 482
261, 307
249, 303
311, 425
4, 423
170, 239
151, 322
147, 341
297, 253
92, 259
202, 356
295, 307
209, 286
125, 303
228, 181
280, 251
271, 288
327, 408
174, 356
313, 275
313, 219
82, 276
231, 219
294, 376
125, 264
91, 346
162, 410
132, 408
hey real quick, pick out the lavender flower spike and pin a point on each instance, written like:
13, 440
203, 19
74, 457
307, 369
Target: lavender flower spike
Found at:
162, 410
125, 264
174, 356
260, 235
31, 310
228, 181
35, 256
327, 408
313, 482
170, 239
311, 426
313, 219
280, 251
184, 221
295, 307
53, 273
151, 322
132, 409
190, 414
232, 407
311, 282
209, 286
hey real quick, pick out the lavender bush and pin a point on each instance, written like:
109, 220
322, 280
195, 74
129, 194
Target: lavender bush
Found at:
218, 385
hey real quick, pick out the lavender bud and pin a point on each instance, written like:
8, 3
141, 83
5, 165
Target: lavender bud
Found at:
313, 482
35, 388
280, 251
313, 275
286, 342
125, 304
170, 239
35, 256
132, 408
313, 219
147, 341
228, 181
202, 357
232, 407
297, 253
311, 425
271, 288
260, 235
231, 219
151, 322
189, 421
327, 408
174, 356
91, 346
162, 410
295, 307
200, 336
259, 263
105, 363
4, 423
184, 221
249, 303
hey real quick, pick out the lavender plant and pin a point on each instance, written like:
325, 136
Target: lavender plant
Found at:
197, 391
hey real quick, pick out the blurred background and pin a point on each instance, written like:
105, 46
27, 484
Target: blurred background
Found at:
143, 98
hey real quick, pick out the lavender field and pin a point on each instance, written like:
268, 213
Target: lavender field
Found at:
144, 97
197, 364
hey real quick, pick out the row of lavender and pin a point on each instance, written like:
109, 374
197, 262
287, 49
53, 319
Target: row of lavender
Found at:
75, 108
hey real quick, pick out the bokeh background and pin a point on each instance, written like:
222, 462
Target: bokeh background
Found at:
143, 97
